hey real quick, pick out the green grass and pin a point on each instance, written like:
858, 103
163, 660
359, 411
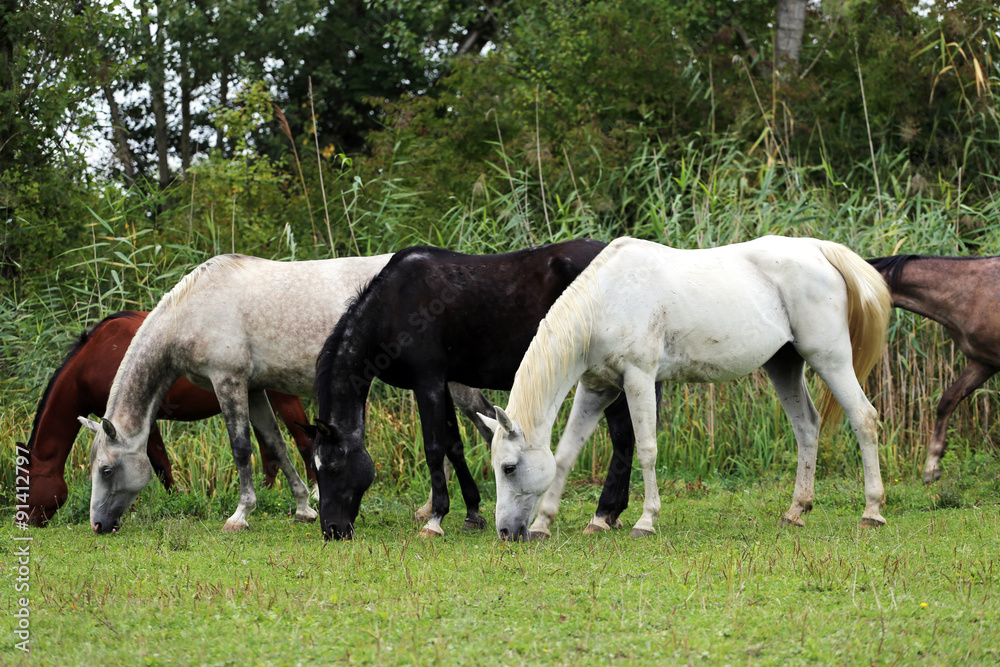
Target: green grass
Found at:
721, 583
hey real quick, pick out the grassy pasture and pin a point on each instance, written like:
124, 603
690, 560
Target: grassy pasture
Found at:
721, 583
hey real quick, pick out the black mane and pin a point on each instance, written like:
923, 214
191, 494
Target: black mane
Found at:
892, 267
73, 350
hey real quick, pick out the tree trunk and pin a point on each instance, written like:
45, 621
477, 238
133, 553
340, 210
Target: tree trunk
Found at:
120, 138
220, 132
185, 108
791, 25
155, 55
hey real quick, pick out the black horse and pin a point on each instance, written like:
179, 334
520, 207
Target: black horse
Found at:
429, 317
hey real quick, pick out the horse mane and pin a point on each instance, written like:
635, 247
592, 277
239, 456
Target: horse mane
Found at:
173, 298
74, 349
891, 267
345, 328
565, 331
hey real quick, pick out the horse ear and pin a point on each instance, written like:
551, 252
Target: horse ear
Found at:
324, 428
308, 429
491, 424
564, 267
92, 426
507, 423
109, 428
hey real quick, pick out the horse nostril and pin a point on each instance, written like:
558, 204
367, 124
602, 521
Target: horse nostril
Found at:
97, 527
504, 534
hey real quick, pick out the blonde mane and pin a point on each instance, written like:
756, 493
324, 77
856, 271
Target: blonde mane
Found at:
168, 301
562, 336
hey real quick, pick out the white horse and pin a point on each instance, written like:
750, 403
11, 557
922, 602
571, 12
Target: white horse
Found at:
643, 312
235, 325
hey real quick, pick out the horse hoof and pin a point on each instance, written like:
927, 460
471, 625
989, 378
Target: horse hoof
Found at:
538, 535
642, 532
796, 521
933, 476
431, 532
422, 515
597, 526
306, 517
872, 522
474, 523
234, 526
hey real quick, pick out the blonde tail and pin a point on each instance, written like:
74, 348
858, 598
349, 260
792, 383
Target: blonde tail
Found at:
868, 306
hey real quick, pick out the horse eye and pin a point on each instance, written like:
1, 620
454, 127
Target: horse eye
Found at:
106, 471
509, 468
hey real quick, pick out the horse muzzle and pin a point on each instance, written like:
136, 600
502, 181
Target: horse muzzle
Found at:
515, 533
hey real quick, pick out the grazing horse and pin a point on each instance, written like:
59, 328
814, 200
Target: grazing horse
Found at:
433, 316
236, 325
80, 386
643, 312
961, 294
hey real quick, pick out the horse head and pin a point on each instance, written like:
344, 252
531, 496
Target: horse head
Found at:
119, 471
523, 473
344, 471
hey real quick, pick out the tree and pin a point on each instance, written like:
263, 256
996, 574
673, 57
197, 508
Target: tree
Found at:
791, 19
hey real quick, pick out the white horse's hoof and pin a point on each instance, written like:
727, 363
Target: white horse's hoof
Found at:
642, 532
788, 520
596, 526
423, 514
431, 531
308, 515
872, 521
539, 535
235, 526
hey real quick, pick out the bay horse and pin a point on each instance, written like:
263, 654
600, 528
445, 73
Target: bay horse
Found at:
433, 316
237, 325
643, 312
80, 386
961, 294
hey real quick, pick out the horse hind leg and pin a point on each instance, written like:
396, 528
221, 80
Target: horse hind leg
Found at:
786, 372
262, 417
973, 377
843, 384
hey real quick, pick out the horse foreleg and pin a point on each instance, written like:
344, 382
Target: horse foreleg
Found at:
785, 370
441, 438
638, 387
614, 496
158, 458
583, 418
423, 513
973, 377
262, 417
232, 400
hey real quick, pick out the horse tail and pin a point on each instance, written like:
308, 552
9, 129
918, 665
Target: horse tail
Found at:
869, 304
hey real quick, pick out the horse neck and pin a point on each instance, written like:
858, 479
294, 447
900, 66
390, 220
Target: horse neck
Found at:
345, 367
56, 426
928, 286
545, 377
143, 379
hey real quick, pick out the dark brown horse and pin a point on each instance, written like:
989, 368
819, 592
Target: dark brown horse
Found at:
80, 387
963, 295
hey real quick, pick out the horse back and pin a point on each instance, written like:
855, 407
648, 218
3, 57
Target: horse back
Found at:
469, 316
